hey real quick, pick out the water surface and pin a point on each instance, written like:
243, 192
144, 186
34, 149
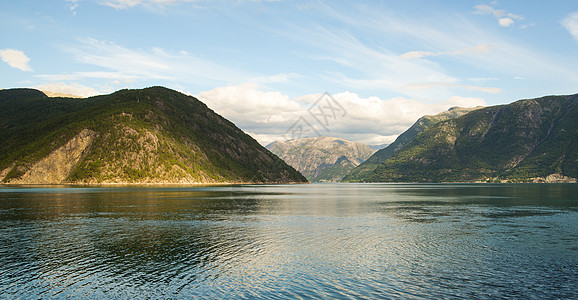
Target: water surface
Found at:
299, 241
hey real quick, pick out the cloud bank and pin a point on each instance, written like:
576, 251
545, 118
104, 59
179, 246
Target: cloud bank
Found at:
269, 116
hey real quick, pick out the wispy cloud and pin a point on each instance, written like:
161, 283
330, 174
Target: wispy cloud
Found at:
376, 68
480, 49
501, 54
72, 5
16, 59
505, 19
124, 4
571, 24
122, 63
431, 85
277, 78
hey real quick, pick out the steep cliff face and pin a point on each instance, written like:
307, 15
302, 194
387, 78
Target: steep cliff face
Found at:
153, 135
322, 159
528, 140
367, 167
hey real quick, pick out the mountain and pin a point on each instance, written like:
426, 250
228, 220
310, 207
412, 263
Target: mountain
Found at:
367, 167
322, 159
153, 135
532, 140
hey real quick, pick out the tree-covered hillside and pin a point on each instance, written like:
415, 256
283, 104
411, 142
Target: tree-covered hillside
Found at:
153, 135
527, 140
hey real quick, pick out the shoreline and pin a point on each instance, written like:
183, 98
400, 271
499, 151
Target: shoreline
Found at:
148, 184
221, 184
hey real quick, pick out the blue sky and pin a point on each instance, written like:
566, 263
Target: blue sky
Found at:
265, 64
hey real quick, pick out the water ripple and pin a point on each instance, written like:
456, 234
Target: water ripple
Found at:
334, 241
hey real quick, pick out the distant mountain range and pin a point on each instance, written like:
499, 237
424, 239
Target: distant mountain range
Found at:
322, 159
532, 140
153, 135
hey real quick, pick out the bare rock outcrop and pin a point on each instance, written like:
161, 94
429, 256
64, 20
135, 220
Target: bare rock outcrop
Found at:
57, 166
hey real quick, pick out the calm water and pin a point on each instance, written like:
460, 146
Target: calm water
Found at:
304, 241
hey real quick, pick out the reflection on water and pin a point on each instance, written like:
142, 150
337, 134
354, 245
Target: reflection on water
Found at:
319, 241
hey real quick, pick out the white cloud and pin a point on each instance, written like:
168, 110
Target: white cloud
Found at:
268, 116
16, 59
504, 18
505, 22
370, 119
571, 24
249, 107
69, 89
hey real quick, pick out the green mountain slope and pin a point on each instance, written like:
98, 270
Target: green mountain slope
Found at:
322, 159
153, 135
367, 167
528, 140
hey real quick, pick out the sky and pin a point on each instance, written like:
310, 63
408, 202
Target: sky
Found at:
360, 70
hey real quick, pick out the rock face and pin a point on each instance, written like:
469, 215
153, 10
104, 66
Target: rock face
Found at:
527, 141
322, 159
367, 167
154, 135
58, 165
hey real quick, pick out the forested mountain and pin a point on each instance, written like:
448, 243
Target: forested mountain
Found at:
367, 167
152, 135
528, 140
